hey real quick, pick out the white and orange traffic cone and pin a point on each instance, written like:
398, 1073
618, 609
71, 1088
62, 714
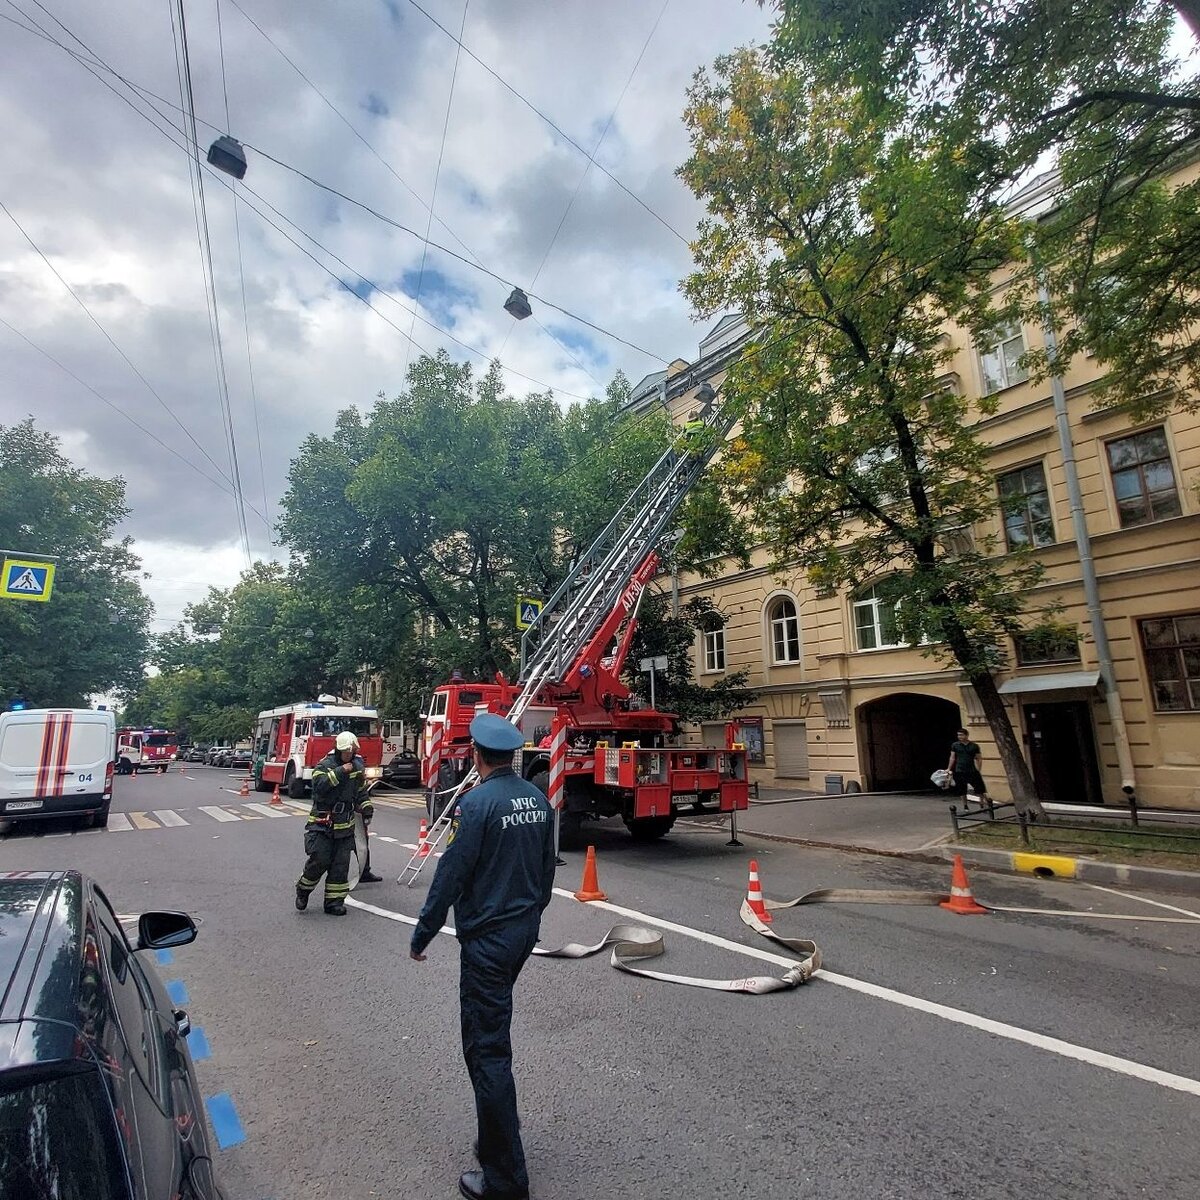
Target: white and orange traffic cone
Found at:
275, 800
245, 788
754, 896
961, 901
422, 843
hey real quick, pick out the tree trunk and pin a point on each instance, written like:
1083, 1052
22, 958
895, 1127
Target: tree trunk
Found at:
1016, 769
1189, 10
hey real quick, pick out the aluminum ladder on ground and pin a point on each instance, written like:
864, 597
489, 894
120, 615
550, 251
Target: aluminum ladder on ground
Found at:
573, 614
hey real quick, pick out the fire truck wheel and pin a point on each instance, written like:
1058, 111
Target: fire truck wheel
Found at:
295, 784
649, 829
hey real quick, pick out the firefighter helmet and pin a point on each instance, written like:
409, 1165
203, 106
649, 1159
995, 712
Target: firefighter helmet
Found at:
346, 741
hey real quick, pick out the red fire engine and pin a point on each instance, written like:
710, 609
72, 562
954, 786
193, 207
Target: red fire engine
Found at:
290, 740
595, 748
145, 749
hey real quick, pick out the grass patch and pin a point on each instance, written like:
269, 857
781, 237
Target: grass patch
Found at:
1148, 847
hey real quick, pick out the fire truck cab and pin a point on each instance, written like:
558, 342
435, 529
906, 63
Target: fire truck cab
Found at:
145, 750
290, 740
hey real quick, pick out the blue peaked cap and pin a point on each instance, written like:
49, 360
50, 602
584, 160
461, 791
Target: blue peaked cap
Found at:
495, 733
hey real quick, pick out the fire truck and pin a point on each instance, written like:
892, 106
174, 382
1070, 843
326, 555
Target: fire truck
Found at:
145, 749
593, 746
290, 740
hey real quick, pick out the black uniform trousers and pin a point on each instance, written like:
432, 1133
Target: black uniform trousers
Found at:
328, 856
490, 964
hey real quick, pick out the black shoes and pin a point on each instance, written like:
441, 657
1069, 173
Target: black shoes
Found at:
470, 1183
301, 900
335, 910
369, 876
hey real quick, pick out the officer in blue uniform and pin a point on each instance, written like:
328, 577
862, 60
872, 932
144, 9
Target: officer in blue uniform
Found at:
497, 872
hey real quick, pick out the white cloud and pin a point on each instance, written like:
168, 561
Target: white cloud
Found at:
107, 199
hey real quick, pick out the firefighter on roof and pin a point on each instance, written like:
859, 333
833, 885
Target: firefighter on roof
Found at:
339, 786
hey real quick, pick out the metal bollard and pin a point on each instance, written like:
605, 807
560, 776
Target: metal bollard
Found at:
1024, 826
1133, 806
954, 818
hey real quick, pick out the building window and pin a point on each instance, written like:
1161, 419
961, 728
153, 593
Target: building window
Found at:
1143, 478
1047, 646
1172, 649
1025, 502
1001, 362
713, 633
875, 622
785, 631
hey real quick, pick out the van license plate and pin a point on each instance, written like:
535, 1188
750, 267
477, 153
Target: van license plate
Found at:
22, 805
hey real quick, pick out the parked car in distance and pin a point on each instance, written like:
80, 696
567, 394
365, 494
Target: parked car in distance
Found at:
96, 1082
195, 754
403, 771
240, 756
215, 753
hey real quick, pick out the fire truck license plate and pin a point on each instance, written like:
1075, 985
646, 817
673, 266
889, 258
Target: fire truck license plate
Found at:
22, 805
687, 798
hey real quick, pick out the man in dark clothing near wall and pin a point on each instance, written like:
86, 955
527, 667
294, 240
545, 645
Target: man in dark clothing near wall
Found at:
965, 758
498, 874
339, 787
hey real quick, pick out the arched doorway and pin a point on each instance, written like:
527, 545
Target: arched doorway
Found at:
903, 739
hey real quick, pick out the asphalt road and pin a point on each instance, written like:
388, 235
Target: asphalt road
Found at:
935, 1056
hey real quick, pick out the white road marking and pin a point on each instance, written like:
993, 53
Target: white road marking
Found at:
1145, 900
392, 916
142, 821
1040, 1041
218, 814
167, 817
266, 810
118, 822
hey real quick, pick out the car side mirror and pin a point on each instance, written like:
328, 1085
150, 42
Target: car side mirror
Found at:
158, 930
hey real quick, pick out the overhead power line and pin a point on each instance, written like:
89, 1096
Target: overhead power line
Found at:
549, 121
474, 263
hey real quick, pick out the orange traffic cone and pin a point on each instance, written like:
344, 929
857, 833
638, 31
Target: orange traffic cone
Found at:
754, 896
245, 789
590, 888
422, 844
275, 800
961, 901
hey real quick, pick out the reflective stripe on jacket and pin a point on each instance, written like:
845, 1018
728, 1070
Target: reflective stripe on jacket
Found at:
336, 796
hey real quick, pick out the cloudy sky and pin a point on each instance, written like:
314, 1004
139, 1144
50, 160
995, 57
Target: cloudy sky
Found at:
106, 198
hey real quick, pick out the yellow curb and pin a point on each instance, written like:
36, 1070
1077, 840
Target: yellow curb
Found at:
1057, 865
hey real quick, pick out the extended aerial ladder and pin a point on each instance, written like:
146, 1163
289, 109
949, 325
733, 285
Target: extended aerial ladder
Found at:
601, 590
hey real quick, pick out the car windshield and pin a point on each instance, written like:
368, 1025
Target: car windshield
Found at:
57, 1138
157, 739
359, 726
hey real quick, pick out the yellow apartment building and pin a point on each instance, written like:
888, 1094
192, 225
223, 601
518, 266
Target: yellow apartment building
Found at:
838, 697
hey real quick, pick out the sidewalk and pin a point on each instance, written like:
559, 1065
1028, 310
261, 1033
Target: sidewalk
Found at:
917, 826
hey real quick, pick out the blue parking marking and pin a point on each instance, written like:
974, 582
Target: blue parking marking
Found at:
224, 1119
177, 990
165, 957
197, 1042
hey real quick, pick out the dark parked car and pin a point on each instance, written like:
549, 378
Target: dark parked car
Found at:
242, 755
403, 771
97, 1089
195, 754
214, 754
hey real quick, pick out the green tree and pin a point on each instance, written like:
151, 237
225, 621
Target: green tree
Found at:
91, 636
1087, 87
661, 632
431, 514
850, 240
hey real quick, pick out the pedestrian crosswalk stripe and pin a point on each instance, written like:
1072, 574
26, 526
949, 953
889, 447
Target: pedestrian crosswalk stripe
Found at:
167, 817
118, 822
142, 821
218, 814
267, 810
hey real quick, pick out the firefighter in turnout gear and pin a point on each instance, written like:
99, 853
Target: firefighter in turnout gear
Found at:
339, 786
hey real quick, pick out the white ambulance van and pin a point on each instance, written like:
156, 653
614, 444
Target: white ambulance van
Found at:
57, 762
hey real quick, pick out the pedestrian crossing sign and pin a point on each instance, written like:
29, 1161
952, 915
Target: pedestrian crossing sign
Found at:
27, 579
528, 611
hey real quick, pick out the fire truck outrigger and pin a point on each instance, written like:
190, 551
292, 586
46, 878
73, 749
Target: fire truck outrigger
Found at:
290, 740
593, 747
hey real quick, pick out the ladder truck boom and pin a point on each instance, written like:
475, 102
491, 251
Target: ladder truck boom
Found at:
619, 760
